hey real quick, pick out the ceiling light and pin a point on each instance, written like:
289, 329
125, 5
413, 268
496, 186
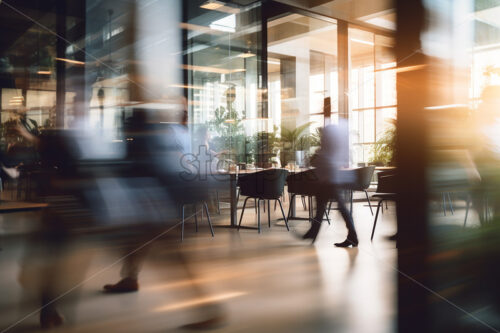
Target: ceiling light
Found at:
211, 5
226, 24
362, 41
245, 55
76, 62
44, 72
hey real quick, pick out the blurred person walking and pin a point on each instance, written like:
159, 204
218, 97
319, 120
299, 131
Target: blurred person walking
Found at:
54, 261
328, 160
159, 154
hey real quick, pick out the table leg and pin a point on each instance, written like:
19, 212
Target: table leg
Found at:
293, 207
234, 203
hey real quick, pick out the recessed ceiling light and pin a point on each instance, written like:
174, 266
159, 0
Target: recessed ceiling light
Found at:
245, 55
211, 5
361, 41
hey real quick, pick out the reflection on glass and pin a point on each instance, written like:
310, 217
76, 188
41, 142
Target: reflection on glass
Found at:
372, 95
303, 73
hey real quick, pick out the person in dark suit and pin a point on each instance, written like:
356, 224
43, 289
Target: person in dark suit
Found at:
328, 160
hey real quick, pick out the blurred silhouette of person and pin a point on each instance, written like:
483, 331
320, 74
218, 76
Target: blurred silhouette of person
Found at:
328, 160
52, 264
487, 154
155, 151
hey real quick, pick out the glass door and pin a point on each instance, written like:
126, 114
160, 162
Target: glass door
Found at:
302, 81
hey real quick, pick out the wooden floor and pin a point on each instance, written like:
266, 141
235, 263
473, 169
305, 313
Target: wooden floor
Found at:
270, 282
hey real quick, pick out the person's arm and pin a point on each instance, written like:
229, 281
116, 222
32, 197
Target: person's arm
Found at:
27, 135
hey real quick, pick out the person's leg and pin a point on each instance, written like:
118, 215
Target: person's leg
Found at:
352, 237
321, 202
209, 314
129, 273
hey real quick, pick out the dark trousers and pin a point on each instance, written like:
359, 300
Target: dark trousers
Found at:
326, 194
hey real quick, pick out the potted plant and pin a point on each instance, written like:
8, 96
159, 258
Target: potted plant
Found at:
294, 142
383, 149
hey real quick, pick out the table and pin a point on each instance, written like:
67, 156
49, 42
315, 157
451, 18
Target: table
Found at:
233, 180
19, 206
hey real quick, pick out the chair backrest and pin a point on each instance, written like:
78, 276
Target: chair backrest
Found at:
387, 182
266, 184
303, 183
363, 177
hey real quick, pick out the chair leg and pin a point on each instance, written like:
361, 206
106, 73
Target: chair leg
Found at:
218, 202
182, 224
283, 212
451, 204
467, 210
196, 217
303, 202
201, 219
444, 203
258, 215
329, 207
380, 203
350, 212
208, 218
327, 217
268, 212
292, 197
255, 203
242, 211
369, 203
310, 208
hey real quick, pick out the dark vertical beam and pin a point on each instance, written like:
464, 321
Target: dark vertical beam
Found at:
411, 157
263, 63
343, 68
61, 46
262, 80
78, 72
185, 56
343, 85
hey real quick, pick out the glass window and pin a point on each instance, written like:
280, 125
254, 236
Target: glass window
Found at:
372, 92
302, 55
223, 76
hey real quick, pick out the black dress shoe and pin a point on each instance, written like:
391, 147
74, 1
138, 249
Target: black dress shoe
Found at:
126, 285
50, 318
209, 324
312, 233
392, 237
347, 243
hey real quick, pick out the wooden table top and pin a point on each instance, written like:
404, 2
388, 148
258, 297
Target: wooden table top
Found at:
16, 206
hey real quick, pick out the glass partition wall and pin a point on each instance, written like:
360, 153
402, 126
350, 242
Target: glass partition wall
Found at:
260, 81
224, 87
372, 97
302, 79
264, 84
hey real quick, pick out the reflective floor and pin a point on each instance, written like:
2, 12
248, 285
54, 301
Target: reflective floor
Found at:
270, 282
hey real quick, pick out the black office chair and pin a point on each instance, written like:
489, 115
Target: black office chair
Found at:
263, 185
194, 193
386, 190
304, 184
363, 177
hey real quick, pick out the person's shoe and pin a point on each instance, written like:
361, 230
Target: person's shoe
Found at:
209, 324
392, 237
348, 242
312, 233
126, 285
50, 319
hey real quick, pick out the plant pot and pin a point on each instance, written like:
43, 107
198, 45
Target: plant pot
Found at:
300, 158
